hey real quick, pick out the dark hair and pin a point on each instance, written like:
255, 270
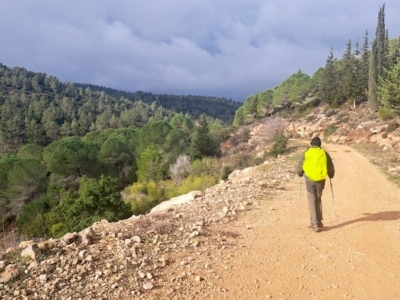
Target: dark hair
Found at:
316, 142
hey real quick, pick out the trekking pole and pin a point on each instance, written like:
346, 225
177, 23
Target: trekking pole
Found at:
298, 213
334, 204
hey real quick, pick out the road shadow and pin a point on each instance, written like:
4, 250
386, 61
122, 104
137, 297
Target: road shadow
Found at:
368, 217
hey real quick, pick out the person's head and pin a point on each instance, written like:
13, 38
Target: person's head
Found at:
316, 142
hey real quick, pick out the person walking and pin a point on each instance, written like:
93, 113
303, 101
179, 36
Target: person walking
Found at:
315, 165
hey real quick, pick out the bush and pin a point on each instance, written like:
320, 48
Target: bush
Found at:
194, 183
331, 129
33, 220
310, 118
331, 112
279, 144
144, 196
180, 169
384, 114
240, 160
206, 166
95, 200
58, 229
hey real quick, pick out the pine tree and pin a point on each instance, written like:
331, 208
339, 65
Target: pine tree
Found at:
148, 166
203, 143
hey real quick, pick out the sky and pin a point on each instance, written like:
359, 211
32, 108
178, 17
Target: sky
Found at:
221, 48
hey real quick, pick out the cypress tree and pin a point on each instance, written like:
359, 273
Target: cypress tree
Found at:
328, 83
378, 59
364, 68
348, 89
389, 89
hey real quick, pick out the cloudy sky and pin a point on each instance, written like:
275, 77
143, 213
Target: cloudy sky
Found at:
221, 48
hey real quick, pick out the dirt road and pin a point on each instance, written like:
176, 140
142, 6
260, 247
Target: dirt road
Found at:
356, 256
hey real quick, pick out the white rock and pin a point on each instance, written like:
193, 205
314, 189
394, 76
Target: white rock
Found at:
26, 244
31, 251
8, 275
148, 286
69, 238
136, 239
43, 278
87, 236
82, 254
166, 205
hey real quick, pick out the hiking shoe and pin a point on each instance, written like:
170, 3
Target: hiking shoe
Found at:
314, 228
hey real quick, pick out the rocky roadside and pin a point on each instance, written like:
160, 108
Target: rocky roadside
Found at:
170, 253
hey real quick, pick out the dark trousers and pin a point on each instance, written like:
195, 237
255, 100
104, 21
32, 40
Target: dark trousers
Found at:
314, 194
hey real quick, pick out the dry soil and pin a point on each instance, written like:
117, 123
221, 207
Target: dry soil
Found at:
355, 256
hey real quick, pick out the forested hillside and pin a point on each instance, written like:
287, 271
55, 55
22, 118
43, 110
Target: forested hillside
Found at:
219, 108
361, 74
39, 109
68, 150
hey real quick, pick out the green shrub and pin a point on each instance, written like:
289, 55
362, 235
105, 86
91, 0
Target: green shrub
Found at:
58, 230
384, 114
95, 200
206, 166
206, 172
331, 129
144, 196
194, 183
279, 144
33, 220
310, 118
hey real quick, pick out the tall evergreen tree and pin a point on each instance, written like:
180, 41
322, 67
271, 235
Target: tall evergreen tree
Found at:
378, 59
348, 83
363, 70
203, 144
27, 180
328, 83
148, 166
389, 89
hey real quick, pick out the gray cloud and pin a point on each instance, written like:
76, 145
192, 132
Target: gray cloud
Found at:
201, 47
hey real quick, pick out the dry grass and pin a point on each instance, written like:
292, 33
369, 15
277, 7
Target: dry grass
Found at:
383, 159
228, 234
157, 223
10, 240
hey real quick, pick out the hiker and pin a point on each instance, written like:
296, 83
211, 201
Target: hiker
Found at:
315, 165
